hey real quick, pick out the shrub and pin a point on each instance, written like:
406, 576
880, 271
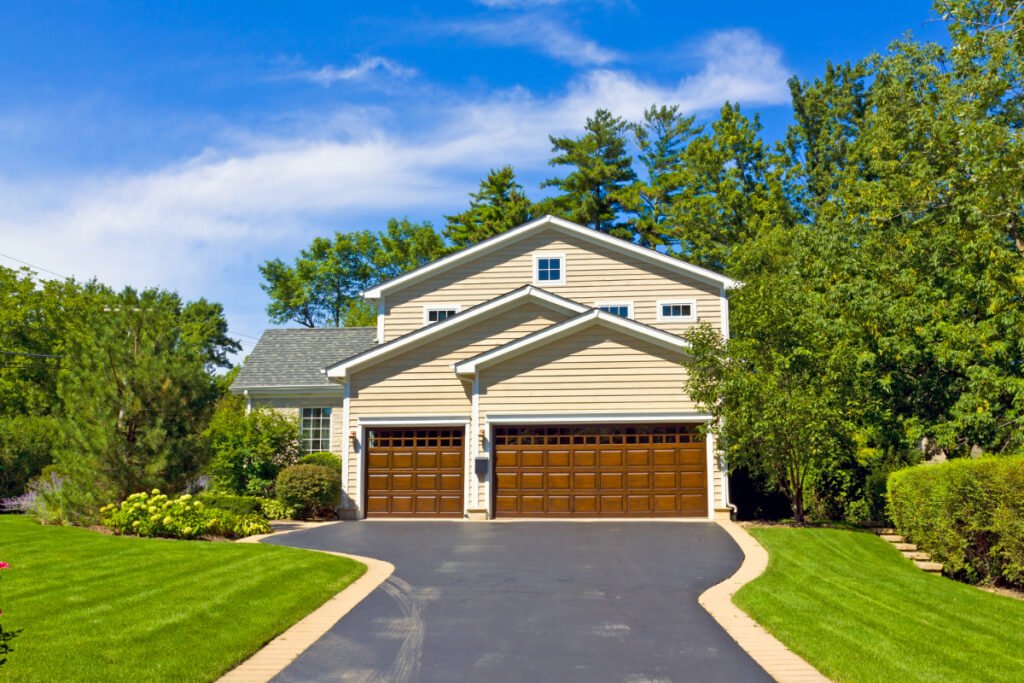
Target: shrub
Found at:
312, 490
322, 458
969, 514
249, 449
26, 447
155, 514
275, 509
239, 505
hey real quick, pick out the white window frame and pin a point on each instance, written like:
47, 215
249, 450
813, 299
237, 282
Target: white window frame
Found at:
456, 308
627, 304
692, 318
330, 427
560, 255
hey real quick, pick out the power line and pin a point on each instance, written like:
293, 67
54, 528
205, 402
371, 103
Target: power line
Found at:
32, 265
29, 355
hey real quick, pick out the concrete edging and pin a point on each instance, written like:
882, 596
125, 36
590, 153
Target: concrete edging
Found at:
779, 661
272, 658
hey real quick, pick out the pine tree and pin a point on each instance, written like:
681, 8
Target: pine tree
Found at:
499, 205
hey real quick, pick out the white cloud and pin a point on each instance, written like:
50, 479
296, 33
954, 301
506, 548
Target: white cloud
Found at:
328, 75
518, 4
544, 35
202, 225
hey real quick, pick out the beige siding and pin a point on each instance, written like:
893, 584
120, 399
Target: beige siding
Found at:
593, 370
594, 273
421, 382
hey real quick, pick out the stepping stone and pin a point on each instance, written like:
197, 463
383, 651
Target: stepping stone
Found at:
917, 555
904, 546
892, 538
883, 531
930, 567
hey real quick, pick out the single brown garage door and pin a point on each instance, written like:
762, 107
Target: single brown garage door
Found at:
600, 471
414, 472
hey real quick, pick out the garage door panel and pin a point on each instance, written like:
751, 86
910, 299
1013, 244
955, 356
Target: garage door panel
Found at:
414, 472
595, 470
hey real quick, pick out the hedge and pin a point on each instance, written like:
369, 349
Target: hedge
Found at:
968, 514
311, 490
322, 458
239, 505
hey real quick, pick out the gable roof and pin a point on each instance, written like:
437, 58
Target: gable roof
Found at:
525, 229
294, 358
339, 370
470, 366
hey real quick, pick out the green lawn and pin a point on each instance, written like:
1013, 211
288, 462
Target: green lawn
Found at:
855, 608
110, 608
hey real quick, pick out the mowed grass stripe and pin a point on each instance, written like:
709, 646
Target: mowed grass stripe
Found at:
859, 611
106, 608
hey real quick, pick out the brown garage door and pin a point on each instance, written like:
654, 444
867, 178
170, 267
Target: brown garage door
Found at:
414, 472
600, 471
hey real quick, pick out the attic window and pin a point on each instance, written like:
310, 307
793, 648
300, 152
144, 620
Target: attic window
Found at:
623, 309
435, 314
677, 311
549, 269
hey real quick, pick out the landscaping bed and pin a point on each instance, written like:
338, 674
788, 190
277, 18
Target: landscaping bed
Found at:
858, 611
90, 607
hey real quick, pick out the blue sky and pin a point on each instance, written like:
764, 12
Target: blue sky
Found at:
180, 144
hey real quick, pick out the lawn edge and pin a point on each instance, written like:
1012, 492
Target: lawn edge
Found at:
779, 661
272, 658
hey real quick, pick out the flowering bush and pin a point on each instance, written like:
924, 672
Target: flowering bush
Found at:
155, 514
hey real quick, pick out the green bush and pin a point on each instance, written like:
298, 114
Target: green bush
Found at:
239, 505
312, 490
249, 449
155, 514
969, 514
26, 447
323, 458
275, 509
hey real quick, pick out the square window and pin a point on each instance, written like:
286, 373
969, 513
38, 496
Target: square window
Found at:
315, 430
549, 269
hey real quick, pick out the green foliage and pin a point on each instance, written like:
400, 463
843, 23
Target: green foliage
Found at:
969, 514
26, 447
601, 169
154, 514
311, 490
249, 449
499, 205
324, 285
323, 458
136, 393
275, 509
239, 505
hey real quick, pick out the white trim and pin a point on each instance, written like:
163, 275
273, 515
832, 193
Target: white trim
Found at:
710, 474
454, 308
626, 303
346, 418
468, 367
248, 401
692, 303
725, 314
339, 371
525, 229
380, 320
473, 448
603, 418
489, 484
414, 421
562, 264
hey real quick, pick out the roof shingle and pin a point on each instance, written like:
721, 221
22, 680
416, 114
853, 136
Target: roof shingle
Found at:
295, 358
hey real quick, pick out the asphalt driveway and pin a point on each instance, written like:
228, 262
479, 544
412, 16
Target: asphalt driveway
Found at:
531, 601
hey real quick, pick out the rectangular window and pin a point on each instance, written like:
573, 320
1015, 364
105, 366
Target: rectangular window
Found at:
623, 309
677, 311
315, 430
549, 269
435, 314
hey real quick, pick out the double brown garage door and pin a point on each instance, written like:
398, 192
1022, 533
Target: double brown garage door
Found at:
549, 471
600, 471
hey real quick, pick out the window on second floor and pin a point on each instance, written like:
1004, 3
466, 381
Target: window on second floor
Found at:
315, 430
435, 314
677, 311
623, 309
549, 269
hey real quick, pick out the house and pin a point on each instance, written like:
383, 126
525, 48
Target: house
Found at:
535, 374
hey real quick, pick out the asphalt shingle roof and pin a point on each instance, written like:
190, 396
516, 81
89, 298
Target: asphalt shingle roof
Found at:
294, 358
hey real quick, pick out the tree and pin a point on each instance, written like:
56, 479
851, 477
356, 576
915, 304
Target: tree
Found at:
136, 395
661, 139
602, 167
499, 205
324, 286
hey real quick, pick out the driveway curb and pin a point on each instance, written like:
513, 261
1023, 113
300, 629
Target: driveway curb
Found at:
273, 657
779, 661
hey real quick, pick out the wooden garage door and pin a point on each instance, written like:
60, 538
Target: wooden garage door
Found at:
600, 471
414, 472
